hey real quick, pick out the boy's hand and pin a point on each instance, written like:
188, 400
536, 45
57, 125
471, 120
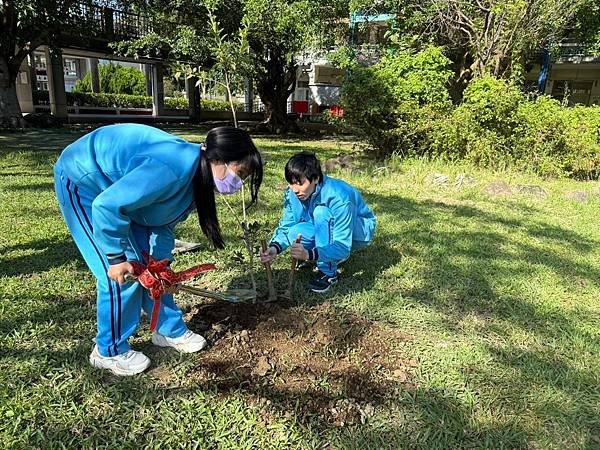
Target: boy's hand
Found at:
269, 255
299, 252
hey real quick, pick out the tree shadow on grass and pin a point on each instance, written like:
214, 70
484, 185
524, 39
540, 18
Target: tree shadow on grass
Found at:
469, 271
462, 268
38, 256
464, 271
39, 140
49, 310
33, 187
438, 411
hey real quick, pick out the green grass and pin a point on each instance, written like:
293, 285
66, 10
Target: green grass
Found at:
500, 296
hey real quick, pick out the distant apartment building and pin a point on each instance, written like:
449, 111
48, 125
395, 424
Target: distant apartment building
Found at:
74, 69
317, 87
572, 74
318, 83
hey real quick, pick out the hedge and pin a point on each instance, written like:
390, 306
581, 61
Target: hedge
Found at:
496, 125
130, 101
401, 106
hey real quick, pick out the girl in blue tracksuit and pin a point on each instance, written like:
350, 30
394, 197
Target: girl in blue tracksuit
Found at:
330, 216
122, 189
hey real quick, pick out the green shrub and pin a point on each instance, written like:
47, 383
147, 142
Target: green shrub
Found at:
131, 101
208, 105
540, 137
481, 128
497, 126
115, 79
392, 104
219, 105
176, 103
109, 100
492, 103
583, 139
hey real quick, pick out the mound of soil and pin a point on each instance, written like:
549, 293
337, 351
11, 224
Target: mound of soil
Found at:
312, 361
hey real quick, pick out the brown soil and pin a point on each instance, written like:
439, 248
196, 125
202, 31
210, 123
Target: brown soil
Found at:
306, 361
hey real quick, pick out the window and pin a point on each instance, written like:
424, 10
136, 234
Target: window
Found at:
70, 66
40, 62
577, 92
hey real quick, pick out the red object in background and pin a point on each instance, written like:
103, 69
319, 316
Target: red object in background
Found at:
337, 111
300, 106
158, 277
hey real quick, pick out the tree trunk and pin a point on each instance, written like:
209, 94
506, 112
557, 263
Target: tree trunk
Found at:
463, 73
10, 110
274, 90
275, 103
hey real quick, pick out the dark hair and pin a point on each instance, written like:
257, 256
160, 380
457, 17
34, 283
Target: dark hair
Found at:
223, 144
301, 166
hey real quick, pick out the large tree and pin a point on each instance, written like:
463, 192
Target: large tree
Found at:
587, 26
277, 32
25, 25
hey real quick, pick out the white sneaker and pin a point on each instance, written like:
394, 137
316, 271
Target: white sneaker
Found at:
125, 364
190, 342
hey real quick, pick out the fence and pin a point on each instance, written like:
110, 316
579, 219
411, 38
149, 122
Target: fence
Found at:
110, 23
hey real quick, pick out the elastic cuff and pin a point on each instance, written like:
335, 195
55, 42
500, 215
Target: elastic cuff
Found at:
277, 247
118, 259
313, 254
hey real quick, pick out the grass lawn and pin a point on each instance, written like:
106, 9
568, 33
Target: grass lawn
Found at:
487, 307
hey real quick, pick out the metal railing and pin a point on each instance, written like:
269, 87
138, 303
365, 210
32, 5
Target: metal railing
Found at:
105, 22
571, 50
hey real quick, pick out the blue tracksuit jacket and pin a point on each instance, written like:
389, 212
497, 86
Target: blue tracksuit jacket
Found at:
344, 221
140, 174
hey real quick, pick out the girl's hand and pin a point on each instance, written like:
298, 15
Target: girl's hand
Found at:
117, 272
269, 255
173, 289
299, 252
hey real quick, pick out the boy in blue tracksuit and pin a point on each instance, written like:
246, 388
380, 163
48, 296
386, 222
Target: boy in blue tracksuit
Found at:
330, 216
121, 190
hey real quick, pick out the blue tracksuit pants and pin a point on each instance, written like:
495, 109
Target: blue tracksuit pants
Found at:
118, 306
318, 233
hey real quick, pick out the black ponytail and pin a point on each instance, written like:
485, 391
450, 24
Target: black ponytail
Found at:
223, 144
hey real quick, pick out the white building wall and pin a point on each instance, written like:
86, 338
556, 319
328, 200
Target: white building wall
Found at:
24, 93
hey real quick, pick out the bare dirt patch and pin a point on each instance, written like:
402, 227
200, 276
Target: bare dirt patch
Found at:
309, 361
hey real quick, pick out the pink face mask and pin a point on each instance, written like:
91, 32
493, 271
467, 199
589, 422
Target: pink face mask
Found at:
230, 184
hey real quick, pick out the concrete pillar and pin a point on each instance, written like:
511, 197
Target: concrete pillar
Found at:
193, 95
148, 73
249, 96
56, 83
158, 90
32, 73
24, 92
94, 74
83, 66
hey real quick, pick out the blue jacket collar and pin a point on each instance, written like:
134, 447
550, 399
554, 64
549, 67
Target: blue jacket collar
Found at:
317, 189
